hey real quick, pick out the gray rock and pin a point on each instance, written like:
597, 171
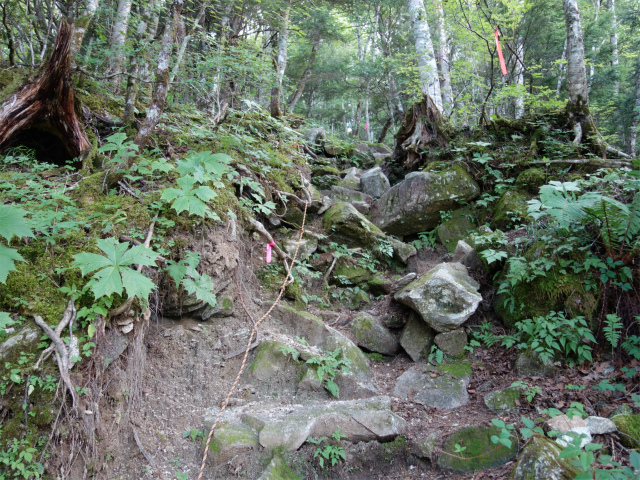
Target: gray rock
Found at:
351, 179
374, 182
456, 228
403, 282
528, 364
316, 138
224, 308
351, 227
414, 205
467, 256
444, 392
575, 425
394, 321
424, 447
23, 340
480, 453
361, 201
372, 335
621, 410
502, 400
538, 460
308, 245
278, 470
445, 297
416, 338
600, 425
452, 343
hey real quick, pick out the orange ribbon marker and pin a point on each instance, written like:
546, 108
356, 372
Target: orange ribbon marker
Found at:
503, 67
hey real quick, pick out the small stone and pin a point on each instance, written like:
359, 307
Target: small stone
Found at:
127, 328
417, 338
424, 447
438, 388
600, 425
372, 335
502, 400
224, 307
278, 470
404, 281
452, 343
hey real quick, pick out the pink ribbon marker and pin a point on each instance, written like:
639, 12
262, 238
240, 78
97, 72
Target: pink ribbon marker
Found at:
503, 67
366, 126
269, 245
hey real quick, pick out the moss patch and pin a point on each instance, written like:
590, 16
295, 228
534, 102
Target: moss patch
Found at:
629, 426
481, 452
511, 210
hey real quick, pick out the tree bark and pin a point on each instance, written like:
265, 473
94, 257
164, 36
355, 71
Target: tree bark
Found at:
10, 43
80, 28
427, 67
633, 130
385, 129
421, 129
280, 63
613, 39
48, 103
305, 76
445, 67
118, 38
561, 68
187, 38
518, 101
592, 67
162, 75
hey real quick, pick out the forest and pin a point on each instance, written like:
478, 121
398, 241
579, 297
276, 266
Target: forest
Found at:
271, 239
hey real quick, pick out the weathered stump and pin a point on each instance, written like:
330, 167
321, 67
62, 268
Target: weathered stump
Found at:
48, 103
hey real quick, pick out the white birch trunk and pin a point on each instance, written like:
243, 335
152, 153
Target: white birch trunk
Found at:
445, 63
366, 113
633, 131
80, 28
118, 39
613, 39
576, 70
281, 64
592, 68
518, 101
561, 68
427, 67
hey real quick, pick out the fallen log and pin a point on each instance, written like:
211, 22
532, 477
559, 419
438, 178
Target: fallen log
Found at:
47, 103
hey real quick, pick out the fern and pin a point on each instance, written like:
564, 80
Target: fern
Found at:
612, 328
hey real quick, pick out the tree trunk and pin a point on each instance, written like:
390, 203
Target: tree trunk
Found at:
592, 67
117, 43
561, 68
613, 39
421, 129
445, 70
305, 76
10, 42
427, 67
518, 101
633, 131
48, 103
385, 129
162, 75
80, 28
577, 86
131, 93
280, 64
187, 38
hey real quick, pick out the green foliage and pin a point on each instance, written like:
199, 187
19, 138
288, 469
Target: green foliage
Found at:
331, 452
112, 273
612, 328
529, 391
12, 223
328, 366
184, 272
20, 460
194, 434
426, 240
122, 148
436, 355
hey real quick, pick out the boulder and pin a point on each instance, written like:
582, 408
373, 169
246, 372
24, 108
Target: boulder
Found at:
347, 275
25, 340
325, 182
308, 246
316, 138
359, 299
403, 281
529, 364
629, 428
456, 228
394, 321
374, 182
380, 286
502, 400
278, 470
531, 180
414, 205
416, 338
467, 256
511, 210
452, 343
372, 335
351, 227
480, 453
443, 387
361, 201
445, 297
321, 170
539, 460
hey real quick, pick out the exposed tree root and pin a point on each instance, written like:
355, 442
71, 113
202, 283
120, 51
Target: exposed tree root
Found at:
595, 162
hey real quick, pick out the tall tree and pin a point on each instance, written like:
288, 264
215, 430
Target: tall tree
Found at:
613, 39
445, 67
427, 67
118, 39
633, 130
280, 63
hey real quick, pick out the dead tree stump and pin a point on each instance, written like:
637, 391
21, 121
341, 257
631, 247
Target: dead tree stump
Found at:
48, 103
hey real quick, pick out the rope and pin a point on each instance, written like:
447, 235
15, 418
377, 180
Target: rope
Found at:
254, 332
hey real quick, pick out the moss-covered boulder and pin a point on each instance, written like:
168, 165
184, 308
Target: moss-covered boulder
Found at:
321, 170
629, 429
224, 307
325, 182
511, 210
359, 299
372, 335
345, 274
528, 364
480, 453
380, 285
456, 228
502, 400
539, 460
531, 180
351, 179
414, 205
558, 290
229, 440
443, 386
361, 201
278, 470
452, 343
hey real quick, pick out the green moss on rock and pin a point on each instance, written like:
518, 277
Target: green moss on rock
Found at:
480, 453
457, 228
531, 180
629, 427
511, 210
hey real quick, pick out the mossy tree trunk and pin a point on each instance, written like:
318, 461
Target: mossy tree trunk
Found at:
48, 103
